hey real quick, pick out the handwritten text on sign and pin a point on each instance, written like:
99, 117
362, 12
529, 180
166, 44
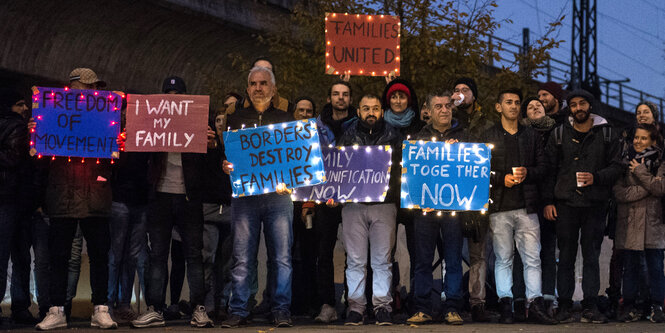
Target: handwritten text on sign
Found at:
267, 156
362, 44
445, 176
79, 123
167, 122
359, 173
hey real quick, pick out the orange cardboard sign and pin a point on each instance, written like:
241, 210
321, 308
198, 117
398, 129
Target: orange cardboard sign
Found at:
362, 44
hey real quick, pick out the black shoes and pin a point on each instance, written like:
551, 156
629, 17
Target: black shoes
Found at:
592, 315
383, 317
478, 314
538, 313
520, 311
282, 319
234, 321
354, 319
506, 306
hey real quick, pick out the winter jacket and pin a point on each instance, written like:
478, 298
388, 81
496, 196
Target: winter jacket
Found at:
250, 117
329, 129
130, 178
640, 210
476, 123
416, 124
532, 157
13, 152
193, 165
454, 132
217, 185
595, 153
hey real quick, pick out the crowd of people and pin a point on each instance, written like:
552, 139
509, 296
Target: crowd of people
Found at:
561, 178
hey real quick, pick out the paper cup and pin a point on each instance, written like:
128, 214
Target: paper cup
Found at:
577, 178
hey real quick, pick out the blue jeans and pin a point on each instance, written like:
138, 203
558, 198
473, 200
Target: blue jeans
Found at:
510, 228
32, 232
426, 232
8, 223
275, 213
128, 253
631, 275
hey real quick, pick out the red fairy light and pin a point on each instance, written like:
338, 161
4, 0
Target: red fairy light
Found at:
53, 158
32, 130
52, 93
39, 117
97, 161
112, 161
39, 155
112, 123
69, 159
66, 88
32, 143
83, 160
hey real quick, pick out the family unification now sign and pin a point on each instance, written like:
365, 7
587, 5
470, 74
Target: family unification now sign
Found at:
353, 174
264, 157
445, 176
74, 122
362, 44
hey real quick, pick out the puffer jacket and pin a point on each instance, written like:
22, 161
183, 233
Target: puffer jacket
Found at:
13, 152
640, 211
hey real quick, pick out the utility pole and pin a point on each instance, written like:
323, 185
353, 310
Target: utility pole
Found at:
584, 55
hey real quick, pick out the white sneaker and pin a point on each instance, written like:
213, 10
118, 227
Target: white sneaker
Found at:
327, 314
55, 318
200, 318
101, 318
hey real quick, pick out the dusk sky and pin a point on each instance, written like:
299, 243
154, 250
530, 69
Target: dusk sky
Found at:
631, 36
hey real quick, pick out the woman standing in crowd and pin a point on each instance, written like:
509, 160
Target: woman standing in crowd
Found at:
640, 229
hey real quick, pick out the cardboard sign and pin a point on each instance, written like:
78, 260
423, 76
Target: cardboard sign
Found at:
362, 44
167, 123
266, 156
445, 176
78, 123
356, 174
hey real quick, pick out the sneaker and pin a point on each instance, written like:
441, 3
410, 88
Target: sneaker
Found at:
200, 318
657, 315
630, 314
520, 310
172, 312
150, 318
234, 321
123, 315
328, 314
419, 318
478, 313
506, 308
592, 315
282, 319
23, 317
453, 318
185, 308
564, 316
354, 319
55, 318
538, 314
262, 309
383, 317
101, 318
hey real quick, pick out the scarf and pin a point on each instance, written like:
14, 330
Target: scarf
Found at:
399, 120
650, 155
542, 124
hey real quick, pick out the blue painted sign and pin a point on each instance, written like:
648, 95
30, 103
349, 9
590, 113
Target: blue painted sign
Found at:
353, 174
264, 157
445, 176
77, 123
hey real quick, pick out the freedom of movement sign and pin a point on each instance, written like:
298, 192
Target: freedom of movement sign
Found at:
167, 123
445, 176
264, 157
77, 123
353, 174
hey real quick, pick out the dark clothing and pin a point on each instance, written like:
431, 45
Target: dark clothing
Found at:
130, 178
456, 131
193, 165
513, 198
476, 123
217, 186
631, 275
13, 152
250, 117
330, 130
326, 224
530, 156
416, 124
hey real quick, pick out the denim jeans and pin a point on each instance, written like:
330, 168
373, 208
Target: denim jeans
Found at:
631, 275
369, 226
165, 211
74, 269
275, 213
217, 259
8, 224
32, 232
479, 253
510, 228
129, 251
426, 232
547, 262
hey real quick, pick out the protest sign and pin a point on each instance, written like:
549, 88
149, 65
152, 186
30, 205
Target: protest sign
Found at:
445, 176
77, 123
362, 44
266, 156
356, 174
167, 122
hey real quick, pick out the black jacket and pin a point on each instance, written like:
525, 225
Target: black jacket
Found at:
193, 165
217, 185
13, 152
416, 124
594, 154
130, 178
454, 132
250, 117
532, 157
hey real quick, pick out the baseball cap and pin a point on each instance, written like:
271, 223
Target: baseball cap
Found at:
87, 76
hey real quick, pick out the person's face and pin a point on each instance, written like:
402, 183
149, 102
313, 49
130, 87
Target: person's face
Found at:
398, 101
260, 88
548, 100
220, 123
509, 107
425, 114
644, 115
340, 97
263, 63
468, 94
370, 111
642, 140
441, 110
80, 85
304, 110
580, 109
231, 100
535, 110
20, 107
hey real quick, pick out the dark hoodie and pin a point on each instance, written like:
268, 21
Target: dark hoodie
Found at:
416, 124
330, 130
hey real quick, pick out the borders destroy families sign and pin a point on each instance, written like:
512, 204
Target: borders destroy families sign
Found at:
266, 156
77, 123
362, 44
445, 176
167, 123
357, 174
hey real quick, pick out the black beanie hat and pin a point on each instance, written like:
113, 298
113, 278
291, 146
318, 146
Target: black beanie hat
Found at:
580, 93
470, 83
8, 98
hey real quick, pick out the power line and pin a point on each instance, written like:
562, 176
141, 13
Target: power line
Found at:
632, 27
634, 59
